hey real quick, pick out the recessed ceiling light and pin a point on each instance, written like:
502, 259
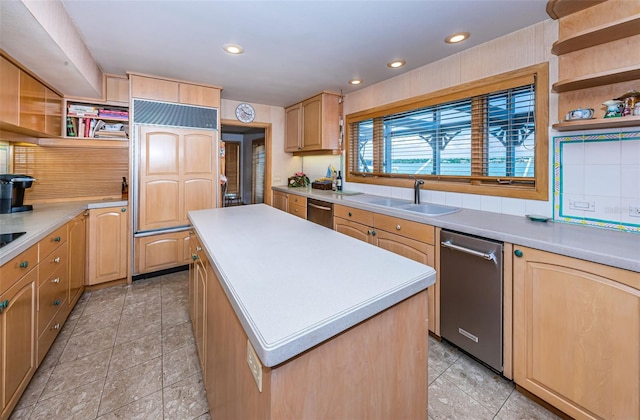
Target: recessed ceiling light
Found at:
396, 64
233, 49
355, 81
455, 38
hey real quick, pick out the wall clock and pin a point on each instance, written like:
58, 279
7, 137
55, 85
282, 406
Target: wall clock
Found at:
245, 113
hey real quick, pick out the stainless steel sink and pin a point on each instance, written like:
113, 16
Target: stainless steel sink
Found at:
379, 201
429, 209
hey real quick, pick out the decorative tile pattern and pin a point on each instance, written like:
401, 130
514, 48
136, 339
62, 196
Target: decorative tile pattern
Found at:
142, 364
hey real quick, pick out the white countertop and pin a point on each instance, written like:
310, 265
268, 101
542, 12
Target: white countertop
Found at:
294, 284
41, 221
604, 246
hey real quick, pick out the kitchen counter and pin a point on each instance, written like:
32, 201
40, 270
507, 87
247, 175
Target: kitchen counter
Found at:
609, 247
41, 221
304, 283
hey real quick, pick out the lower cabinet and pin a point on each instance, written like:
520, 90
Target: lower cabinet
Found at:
77, 258
577, 334
159, 252
108, 244
17, 340
403, 237
198, 298
281, 201
298, 205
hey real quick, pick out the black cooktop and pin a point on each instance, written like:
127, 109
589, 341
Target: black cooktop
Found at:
5, 238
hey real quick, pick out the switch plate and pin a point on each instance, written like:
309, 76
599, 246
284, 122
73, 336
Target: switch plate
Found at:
254, 365
582, 205
634, 211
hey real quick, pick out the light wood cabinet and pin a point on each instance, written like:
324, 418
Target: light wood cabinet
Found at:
158, 252
313, 125
9, 92
403, 237
297, 206
178, 171
198, 268
156, 88
577, 334
108, 244
77, 258
281, 201
116, 89
597, 50
32, 103
17, 340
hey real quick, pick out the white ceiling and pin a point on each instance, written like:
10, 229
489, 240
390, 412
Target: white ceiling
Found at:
293, 49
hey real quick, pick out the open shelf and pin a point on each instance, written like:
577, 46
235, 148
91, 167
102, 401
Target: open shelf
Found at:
624, 74
84, 142
613, 31
598, 123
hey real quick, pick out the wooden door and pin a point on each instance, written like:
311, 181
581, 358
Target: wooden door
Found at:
281, 201
257, 171
200, 310
312, 123
159, 171
353, 229
9, 92
17, 340
53, 113
77, 258
577, 334
232, 167
107, 244
198, 171
32, 103
293, 128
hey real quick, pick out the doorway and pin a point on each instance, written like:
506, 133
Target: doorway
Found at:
246, 161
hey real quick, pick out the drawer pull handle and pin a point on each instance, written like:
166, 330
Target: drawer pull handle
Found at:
198, 248
4, 305
397, 227
194, 257
373, 233
350, 214
56, 280
56, 260
57, 239
518, 253
56, 327
56, 302
24, 264
124, 209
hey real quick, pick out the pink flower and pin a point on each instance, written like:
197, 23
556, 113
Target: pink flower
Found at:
300, 173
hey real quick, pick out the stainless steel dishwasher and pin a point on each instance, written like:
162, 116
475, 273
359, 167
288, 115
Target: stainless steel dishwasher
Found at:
471, 295
320, 212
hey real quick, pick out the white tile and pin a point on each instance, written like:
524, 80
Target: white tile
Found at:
541, 208
572, 179
607, 208
566, 210
573, 153
625, 203
602, 152
602, 180
513, 206
439, 197
630, 181
472, 201
493, 204
453, 199
630, 152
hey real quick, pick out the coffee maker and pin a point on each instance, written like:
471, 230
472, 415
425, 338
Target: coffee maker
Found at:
12, 188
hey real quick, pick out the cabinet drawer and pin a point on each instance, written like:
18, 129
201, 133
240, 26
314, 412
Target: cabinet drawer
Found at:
297, 200
50, 333
52, 293
14, 269
53, 240
298, 210
51, 262
361, 216
406, 228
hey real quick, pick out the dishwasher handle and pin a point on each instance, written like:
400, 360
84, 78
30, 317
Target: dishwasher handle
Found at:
489, 257
315, 206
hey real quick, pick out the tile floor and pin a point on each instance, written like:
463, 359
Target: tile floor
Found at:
128, 352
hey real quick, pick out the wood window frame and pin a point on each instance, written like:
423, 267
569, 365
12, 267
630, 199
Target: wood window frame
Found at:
536, 190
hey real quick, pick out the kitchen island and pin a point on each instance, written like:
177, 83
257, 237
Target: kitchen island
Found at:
333, 327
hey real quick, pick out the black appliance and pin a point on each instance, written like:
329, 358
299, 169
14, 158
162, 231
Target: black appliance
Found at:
6, 238
12, 188
320, 212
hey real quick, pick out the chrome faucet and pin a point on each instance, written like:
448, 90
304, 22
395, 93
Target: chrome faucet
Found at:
416, 190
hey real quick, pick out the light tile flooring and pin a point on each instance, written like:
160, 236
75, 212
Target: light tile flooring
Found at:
128, 352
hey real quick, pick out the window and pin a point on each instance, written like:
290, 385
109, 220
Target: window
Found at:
487, 137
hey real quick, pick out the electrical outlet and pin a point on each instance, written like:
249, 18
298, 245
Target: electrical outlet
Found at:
634, 211
582, 205
254, 365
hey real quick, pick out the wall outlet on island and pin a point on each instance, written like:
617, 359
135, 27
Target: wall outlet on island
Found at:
254, 365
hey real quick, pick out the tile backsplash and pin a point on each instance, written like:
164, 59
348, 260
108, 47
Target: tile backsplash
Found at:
597, 179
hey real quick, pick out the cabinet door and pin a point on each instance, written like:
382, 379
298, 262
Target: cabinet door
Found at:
293, 128
161, 251
197, 171
152, 88
353, 229
17, 341
107, 244
117, 89
200, 310
416, 250
77, 258
53, 113
312, 123
281, 201
9, 92
199, 95
577, 334
32, 103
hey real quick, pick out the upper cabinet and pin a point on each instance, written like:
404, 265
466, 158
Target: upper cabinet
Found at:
313, 125
597, 50
116, 89
168, 90
27, 106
